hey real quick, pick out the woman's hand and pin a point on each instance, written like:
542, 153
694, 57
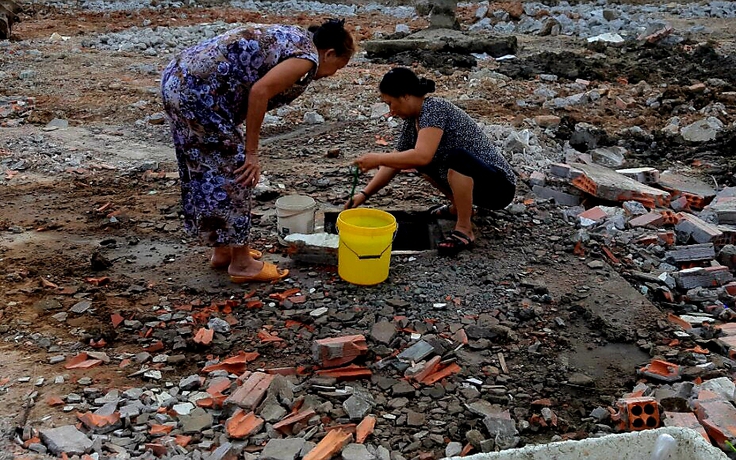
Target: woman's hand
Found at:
250, 173
368, 161
358, 199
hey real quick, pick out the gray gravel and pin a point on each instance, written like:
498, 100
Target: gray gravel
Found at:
596, 18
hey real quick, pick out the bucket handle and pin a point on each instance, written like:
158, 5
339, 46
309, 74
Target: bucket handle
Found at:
373, 257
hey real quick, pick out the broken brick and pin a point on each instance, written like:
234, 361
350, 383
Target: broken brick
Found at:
292, 419
154, 347
81, 361
54, 401
233, 365
421, 371
693, 227
351, 372
606, 184
718, 417
218, 386
674, 319
95, 421
160, 430
241, 424
697, 193
182, 440
252, 391
116, 320
727, 329
653, 219
364, 429
204, 336
157, 449
339, 351
639, 413
595, 214
685, 420
265, 336
445, 372
667, 237
330, 445
729, 344
661, 370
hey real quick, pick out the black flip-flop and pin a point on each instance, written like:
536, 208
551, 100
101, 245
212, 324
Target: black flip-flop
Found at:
441, 211
455, 242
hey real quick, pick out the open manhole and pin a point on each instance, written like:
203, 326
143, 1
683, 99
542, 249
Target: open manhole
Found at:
418, 231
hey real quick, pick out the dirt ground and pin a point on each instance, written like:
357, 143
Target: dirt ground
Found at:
54, 221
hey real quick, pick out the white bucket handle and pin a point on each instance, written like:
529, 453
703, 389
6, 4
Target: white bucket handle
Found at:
372, 256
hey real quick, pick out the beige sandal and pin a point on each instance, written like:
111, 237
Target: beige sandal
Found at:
269, 272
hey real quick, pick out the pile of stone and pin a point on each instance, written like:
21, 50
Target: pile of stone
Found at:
675, 234
588, 19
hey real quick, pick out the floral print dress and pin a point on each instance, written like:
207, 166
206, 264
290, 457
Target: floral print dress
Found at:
205, 94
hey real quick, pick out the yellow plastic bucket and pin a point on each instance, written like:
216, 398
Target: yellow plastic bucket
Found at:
364, 253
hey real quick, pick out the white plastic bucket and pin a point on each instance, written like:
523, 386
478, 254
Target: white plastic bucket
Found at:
295, 214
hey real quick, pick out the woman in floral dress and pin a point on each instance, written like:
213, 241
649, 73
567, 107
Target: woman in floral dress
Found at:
208, 91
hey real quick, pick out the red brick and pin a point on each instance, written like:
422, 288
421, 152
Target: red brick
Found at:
685, 420
606, 184
595, 214
639, 413
667, 237
338, 351
654, 219
547, 121
252, 392
699, 230
718, 417
728, 329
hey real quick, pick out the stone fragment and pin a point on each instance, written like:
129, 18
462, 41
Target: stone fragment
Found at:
282, 449
66, 440
383, 332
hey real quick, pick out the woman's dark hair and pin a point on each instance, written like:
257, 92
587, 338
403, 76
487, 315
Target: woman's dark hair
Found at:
333, 35
401, 81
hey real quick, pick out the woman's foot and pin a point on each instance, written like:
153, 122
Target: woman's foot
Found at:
222, 256
455, 242
257, 272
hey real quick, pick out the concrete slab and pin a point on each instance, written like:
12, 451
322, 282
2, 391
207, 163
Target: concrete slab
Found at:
697, 193
609, 185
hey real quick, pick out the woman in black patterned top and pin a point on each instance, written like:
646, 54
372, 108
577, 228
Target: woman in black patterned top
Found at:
450, 150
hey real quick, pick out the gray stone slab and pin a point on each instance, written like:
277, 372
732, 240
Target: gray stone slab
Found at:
691, 253
383, 332
560, 197
443, 40
356, 452
66, 439
676, 183
283, 449
195, 422
417, 352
